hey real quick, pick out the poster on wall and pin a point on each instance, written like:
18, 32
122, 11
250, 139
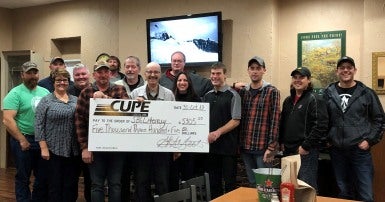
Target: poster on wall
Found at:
320, 51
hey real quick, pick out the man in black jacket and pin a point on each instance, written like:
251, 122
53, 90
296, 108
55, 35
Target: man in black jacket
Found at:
356, 124
304, 122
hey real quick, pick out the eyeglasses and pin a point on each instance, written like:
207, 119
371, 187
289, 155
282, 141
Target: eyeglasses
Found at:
61, 80
153, 72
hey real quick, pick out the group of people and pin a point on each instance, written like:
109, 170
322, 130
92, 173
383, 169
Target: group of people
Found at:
348, 119
48, 123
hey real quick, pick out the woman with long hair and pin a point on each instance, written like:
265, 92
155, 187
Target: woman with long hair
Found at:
183, 165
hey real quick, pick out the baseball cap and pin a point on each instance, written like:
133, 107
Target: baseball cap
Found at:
100, 64
28, 66
304, 71
56, 59
256, 59
346, 59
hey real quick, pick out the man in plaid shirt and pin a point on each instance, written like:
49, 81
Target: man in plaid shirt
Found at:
260, 119
102, 165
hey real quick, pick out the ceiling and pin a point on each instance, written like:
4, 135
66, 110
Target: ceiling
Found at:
11, 4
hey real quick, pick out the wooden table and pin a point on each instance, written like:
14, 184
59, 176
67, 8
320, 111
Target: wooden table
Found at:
246, 194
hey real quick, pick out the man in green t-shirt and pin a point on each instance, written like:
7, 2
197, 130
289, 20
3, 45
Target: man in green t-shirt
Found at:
19, 117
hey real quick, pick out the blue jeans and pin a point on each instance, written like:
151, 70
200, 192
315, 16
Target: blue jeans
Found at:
26, 162
354, 172
252, 161
106, 165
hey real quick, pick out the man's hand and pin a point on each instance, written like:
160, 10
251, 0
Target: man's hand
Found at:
87, 156
24, 144
213, 136
302, 151
268, 157
364, 145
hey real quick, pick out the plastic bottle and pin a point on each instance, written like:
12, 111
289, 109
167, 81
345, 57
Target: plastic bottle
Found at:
287, 192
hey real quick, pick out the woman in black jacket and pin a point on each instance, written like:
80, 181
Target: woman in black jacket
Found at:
304, 122
183, 165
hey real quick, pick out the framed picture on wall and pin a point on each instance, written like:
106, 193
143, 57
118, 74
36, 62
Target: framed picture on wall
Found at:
319, 51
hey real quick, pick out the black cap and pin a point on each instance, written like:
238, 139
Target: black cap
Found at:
346, 59
304, 71
56, 59
258, 60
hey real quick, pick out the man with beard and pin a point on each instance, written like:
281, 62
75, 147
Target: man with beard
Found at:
19, 117
102, 165
131, 81
147, 163
115, 74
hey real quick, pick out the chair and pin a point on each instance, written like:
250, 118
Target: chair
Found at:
202, 184
188, 194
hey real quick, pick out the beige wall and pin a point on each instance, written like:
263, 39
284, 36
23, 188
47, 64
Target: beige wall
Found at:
95, 21
301, 16
252, 28
5, 44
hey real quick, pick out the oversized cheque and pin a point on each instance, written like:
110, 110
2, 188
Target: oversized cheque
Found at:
155, 126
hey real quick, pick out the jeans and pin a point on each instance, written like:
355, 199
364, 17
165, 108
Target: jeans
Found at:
252, 161
106, 165
146, 165
353, 168
26, 162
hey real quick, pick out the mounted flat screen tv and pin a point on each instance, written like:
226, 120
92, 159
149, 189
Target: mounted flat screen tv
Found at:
198, 36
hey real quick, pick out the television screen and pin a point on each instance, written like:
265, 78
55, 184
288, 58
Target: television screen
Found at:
198, 36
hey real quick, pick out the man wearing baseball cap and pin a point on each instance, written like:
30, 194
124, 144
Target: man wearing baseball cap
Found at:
260, 119
304, 122
47, 82
356, 124
19, 118
102, 165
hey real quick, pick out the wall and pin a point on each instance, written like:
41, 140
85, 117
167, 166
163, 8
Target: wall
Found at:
251, 20
95, 21
5, 44
301, 16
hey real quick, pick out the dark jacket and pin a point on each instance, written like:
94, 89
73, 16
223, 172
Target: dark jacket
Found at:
305, 123
362, 120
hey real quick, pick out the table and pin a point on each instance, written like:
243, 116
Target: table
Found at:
246, 194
